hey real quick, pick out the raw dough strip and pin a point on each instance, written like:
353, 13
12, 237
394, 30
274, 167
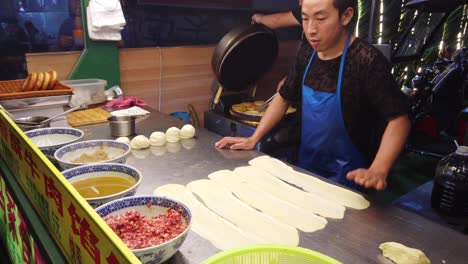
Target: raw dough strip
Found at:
249, 220
267, 203
307, 201
221, 233
310, 184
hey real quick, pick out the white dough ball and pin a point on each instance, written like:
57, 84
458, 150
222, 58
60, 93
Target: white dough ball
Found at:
141, 153
123, 140
157, 139
172, 134
158, 151
187, 131
188, 143
140, 142
173, 147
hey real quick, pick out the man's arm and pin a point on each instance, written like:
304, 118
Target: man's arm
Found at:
272, 116
393, 141
276, 20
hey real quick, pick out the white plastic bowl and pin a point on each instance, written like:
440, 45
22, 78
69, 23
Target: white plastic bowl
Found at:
117, 152
104, 169
159, 205
48, 140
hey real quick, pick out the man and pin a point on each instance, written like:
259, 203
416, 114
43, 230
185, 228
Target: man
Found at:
346, 91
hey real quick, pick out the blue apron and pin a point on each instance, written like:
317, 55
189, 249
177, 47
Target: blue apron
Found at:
326, 148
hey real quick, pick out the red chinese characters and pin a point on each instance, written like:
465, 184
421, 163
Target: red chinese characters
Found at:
112, 259
16, 146
3, 127
26, 246
88, 239
53, 193
11, 209
31, 164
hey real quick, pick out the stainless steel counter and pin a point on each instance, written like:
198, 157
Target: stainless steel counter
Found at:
355, 239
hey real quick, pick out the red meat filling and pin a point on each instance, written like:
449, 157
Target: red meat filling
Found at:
138, 231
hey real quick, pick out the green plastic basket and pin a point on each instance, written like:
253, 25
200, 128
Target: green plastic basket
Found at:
270, 254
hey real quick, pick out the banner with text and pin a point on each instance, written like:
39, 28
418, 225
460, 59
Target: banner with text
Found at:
81, 234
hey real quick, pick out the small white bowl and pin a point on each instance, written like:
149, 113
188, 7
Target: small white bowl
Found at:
159, 205
48, 140
117, 152
104, 169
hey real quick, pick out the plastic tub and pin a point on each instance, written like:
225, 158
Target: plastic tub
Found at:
87, 91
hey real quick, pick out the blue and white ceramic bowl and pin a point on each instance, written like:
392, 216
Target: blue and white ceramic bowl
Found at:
104, 169
117, 152
48, 140
159, 205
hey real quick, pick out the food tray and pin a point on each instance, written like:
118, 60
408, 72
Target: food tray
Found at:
12, 90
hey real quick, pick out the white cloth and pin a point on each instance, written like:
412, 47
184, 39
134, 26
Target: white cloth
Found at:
132, 111
105, 20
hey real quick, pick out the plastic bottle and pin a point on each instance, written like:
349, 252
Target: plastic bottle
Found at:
450, 191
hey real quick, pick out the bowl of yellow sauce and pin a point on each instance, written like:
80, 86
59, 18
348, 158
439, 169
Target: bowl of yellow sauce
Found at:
100, 183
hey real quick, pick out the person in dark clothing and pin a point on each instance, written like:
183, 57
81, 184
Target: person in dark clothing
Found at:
281, 19
354, 117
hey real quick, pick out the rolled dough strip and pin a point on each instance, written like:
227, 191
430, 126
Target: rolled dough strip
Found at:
267, 203
206, 223
249, 220
308, 201
310, 184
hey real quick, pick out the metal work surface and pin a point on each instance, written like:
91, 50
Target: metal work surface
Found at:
355, 239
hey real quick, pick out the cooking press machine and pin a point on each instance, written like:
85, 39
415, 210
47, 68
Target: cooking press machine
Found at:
240, 59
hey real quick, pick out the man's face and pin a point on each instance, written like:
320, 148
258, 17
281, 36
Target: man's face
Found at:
322, 24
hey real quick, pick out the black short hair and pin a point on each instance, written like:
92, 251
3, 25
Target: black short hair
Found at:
342, 5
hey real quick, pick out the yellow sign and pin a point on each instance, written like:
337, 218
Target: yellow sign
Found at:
81, 234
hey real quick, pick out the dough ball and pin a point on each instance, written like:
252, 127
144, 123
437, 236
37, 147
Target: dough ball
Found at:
157, 139
173, 147
172, 134
123, 140
401, 254
187, 131
188, 143
141, 153
140, 142
158, 151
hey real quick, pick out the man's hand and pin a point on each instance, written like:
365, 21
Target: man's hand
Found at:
257, 18
368, 178
236, 143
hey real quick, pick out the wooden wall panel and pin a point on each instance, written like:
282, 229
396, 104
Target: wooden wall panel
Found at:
187, 77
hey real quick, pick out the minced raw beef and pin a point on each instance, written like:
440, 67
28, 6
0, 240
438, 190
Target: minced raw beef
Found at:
139, 231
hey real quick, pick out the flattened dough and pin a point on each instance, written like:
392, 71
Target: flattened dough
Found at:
401, 254
267, 203
310, 184
249, 220
206, 223
308, 201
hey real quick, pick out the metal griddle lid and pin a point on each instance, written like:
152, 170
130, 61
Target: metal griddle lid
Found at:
247, 60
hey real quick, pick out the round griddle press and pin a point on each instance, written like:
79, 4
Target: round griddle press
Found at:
242, 56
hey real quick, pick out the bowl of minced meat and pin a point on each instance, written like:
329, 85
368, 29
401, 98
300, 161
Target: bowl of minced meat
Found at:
152, 227
92, 151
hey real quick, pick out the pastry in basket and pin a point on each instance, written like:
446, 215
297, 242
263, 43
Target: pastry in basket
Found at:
53, 79
45, 83
30, 82
40, 80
